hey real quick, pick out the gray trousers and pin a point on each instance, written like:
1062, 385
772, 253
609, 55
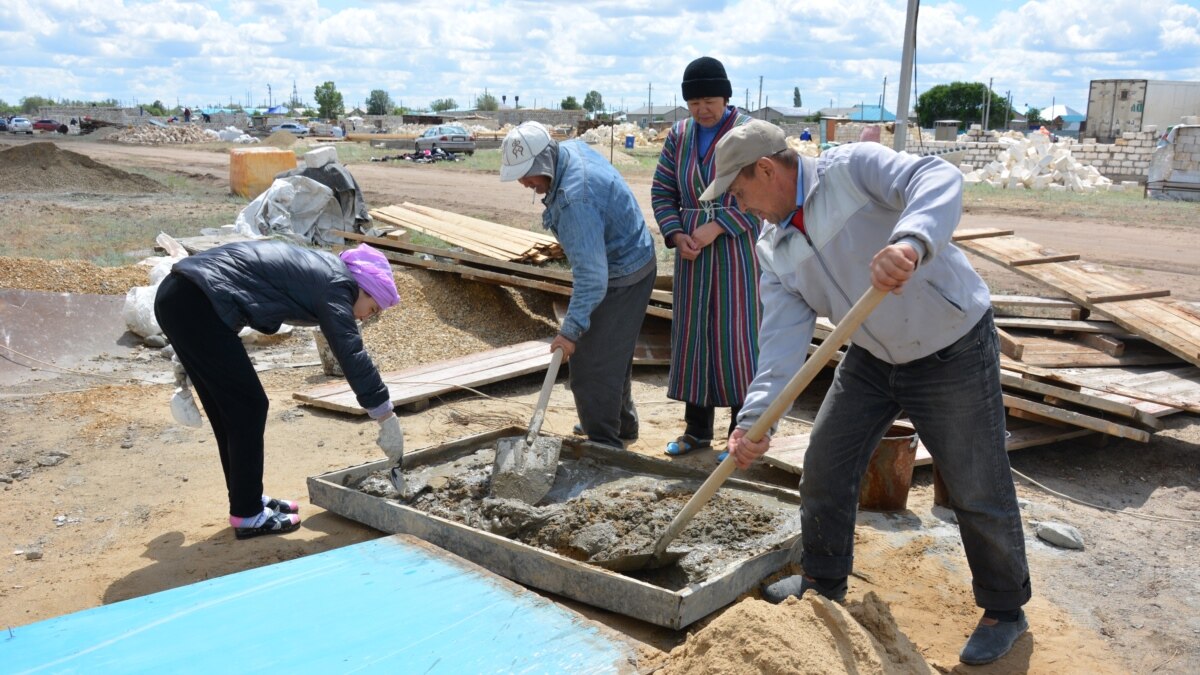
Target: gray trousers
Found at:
602, 366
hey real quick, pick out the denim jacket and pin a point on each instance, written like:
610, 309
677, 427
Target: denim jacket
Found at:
593, 214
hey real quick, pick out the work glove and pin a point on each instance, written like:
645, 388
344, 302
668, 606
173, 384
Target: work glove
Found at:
391, 439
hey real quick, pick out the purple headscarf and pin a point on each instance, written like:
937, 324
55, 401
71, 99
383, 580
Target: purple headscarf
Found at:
373, 273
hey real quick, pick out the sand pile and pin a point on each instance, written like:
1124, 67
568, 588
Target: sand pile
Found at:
44, 167
281, 139
809, 635
69, 276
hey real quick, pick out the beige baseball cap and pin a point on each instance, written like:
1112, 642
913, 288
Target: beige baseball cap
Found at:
740, 148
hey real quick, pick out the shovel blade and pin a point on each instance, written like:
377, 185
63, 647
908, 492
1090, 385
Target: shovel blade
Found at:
525, 471
639, 561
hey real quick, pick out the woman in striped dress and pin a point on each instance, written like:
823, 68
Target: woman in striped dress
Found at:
714, 334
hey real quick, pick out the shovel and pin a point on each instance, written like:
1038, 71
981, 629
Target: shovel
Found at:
659, 556
525, 465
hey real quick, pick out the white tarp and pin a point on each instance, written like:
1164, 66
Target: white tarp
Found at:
295, 206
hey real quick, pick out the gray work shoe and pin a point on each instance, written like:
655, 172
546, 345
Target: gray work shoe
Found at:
990, 642
797, 584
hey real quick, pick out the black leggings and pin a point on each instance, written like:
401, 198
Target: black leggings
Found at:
224, 379
700, 420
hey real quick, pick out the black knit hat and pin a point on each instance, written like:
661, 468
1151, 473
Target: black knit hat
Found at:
705, 77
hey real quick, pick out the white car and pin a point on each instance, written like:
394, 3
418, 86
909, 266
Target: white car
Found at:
291, 127
20, 124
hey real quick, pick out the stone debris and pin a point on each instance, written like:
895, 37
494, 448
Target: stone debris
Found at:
1061, 535
150, 134
615, 135
1035, 163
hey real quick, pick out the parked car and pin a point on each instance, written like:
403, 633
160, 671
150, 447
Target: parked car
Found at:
3, 124
291, 127
46, 125
20, 124
448, 137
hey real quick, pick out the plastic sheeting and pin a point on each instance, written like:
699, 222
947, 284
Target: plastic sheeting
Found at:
296, 207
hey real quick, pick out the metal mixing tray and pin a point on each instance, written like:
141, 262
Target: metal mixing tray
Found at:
549, 571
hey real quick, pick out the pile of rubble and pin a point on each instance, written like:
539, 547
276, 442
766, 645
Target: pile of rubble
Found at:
149, 134
1035, 163
604, 135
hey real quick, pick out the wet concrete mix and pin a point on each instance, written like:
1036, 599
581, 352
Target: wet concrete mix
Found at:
596, 511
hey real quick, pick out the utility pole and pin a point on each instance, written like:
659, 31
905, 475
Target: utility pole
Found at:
987, 108
760, 78
882, 98
649, 104
747, 99
900, 137
270, 101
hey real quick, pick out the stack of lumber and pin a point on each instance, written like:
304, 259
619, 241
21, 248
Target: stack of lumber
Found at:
476, 267
478, 236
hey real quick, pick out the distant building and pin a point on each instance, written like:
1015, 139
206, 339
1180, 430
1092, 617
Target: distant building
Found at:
659, 113
781, 114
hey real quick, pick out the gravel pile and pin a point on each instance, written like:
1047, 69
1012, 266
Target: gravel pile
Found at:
440, 316
44, 167
70, 276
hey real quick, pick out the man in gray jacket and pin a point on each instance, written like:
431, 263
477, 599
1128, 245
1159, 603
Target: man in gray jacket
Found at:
862, 215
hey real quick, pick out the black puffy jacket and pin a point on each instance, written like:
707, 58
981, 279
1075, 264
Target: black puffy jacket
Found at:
262, 284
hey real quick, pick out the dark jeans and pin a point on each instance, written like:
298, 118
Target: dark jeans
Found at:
224, 379
602, 366
700, 419
953, 398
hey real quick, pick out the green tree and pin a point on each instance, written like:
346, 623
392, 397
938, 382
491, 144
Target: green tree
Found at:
796, 97
963, 101
329, 101
569, 103
442, 105
487, 102
379, 103
593, 102
30, 104
1034, 116
156, 108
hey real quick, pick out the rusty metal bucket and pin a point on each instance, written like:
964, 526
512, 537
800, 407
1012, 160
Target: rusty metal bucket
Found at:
888, 478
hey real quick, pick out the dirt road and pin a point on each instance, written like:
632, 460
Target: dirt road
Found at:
120, 502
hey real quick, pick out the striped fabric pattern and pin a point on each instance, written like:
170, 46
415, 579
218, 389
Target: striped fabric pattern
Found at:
714, 334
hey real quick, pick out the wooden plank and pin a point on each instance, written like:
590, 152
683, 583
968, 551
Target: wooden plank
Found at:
1139, 310
1034, 307
519, 269
980, 233
1060, 325
1105, 343
1075, 419
1010, 346
1065, 257
423, 382
1080, 399
1131, 295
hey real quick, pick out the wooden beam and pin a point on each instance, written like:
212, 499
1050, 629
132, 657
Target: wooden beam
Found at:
1045, 259
1105, 343
1080, 399
1009, 345
1016, 403
980, 233
1131, 295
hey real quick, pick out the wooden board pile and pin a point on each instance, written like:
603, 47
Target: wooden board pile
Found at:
478, 236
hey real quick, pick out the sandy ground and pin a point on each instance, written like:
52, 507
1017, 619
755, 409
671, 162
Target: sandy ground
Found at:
120, 502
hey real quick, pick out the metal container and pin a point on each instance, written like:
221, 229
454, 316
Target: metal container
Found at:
549, 571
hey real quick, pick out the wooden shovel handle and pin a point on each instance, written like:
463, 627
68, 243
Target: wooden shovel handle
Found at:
782, 403
539, 411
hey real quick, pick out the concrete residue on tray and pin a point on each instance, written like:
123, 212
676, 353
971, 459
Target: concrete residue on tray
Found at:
598, 512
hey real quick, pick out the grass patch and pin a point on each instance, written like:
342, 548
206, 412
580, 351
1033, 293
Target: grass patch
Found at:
1128, 207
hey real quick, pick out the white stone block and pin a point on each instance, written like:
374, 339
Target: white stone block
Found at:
321, 156
1056, 187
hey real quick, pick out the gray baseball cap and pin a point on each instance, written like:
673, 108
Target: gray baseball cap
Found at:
741, 147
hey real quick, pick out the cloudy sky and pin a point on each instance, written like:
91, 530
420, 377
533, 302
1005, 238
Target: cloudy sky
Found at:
631, 51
